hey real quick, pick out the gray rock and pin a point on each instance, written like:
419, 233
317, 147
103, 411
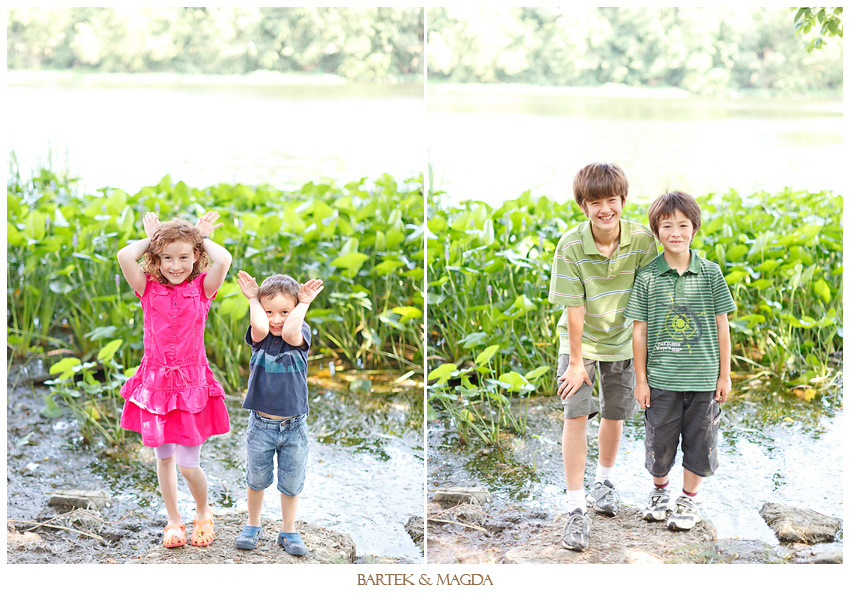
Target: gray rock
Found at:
415, 527
476, 495
792, 524
833, 557
81, 499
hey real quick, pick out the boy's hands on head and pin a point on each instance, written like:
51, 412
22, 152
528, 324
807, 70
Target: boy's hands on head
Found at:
573, 378
309, 291
151, 223
248, 285
206, 224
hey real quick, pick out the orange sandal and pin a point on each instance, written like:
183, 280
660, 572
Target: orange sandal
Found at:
174, 535
203, 532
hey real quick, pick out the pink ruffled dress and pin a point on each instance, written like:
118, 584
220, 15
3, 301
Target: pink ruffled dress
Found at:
174, 397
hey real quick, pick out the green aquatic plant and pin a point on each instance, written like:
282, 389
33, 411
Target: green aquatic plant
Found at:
488, 281
365, 239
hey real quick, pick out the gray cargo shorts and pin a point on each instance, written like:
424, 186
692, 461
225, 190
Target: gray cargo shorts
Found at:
693, 415
616, 396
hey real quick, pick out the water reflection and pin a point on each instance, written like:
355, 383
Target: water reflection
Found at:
493, 145
129, 136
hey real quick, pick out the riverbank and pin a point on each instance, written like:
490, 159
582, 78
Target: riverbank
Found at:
767, 446
47, 456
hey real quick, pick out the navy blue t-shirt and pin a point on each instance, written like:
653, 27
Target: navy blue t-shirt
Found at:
277, 384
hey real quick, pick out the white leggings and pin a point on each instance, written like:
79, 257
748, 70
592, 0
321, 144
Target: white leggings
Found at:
188, 456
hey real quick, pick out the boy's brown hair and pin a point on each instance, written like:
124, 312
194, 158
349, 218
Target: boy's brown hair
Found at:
279, 284
600, 181
670, 202
176, 230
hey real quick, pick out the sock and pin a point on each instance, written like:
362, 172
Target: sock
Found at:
687, 494
664, 486
575, 500
603, 473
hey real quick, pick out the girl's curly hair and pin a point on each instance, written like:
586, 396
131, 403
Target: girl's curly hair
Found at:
176, 230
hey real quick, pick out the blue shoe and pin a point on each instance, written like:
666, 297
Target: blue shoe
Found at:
249, 537
292, 543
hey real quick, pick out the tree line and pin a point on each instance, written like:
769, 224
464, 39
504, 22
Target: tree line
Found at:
363, 44
702, 50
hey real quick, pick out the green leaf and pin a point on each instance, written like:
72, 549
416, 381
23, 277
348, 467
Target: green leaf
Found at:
65, 367
514, 380
486, 355
351, 262
442, 372
108, 351
822, 289
407, 312
537, 372
60, 286
735, 276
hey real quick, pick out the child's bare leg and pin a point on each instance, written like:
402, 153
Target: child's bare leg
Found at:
255, 506
691, 482
166, 473
661, 481
288, 509
574, 449
610, 432
197, 481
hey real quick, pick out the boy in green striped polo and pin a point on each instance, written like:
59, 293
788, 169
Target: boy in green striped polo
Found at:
592, 275
682, 355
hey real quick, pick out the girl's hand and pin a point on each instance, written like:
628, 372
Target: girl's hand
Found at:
309, 291
205, 223
151, 223
248, 285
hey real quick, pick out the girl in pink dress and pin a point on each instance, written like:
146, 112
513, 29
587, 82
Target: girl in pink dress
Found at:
173, 400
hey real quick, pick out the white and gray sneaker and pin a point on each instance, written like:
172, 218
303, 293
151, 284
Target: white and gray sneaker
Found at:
659, 503
575, 536
685, 514
603, 498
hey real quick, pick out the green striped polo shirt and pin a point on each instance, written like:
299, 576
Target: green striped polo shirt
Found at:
582, 276
683, 353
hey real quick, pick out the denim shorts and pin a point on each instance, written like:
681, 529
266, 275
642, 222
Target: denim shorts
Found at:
286, 438
617, 394
692, 415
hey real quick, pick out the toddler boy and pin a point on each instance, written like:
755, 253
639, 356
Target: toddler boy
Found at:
682, 355
277, 397
592, 275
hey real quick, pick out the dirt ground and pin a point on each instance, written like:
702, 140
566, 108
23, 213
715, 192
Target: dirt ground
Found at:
44, 456
517, 536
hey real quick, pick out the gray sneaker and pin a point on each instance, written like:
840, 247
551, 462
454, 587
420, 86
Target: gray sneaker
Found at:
576, 531
603, 498
659, 503
685, 514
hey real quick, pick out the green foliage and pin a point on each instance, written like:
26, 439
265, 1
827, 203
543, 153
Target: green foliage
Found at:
701, 50
829, 19
492, 329
363, 44
65, 289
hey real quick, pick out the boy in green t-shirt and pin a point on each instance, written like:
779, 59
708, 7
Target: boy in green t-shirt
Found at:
682, 356
592, 275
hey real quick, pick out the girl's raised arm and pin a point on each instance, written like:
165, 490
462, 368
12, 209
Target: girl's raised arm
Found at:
219, 255
129, 255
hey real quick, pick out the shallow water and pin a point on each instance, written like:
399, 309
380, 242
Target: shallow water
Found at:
772, 448
364, 475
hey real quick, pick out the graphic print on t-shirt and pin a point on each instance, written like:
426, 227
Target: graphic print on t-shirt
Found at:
683, 327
